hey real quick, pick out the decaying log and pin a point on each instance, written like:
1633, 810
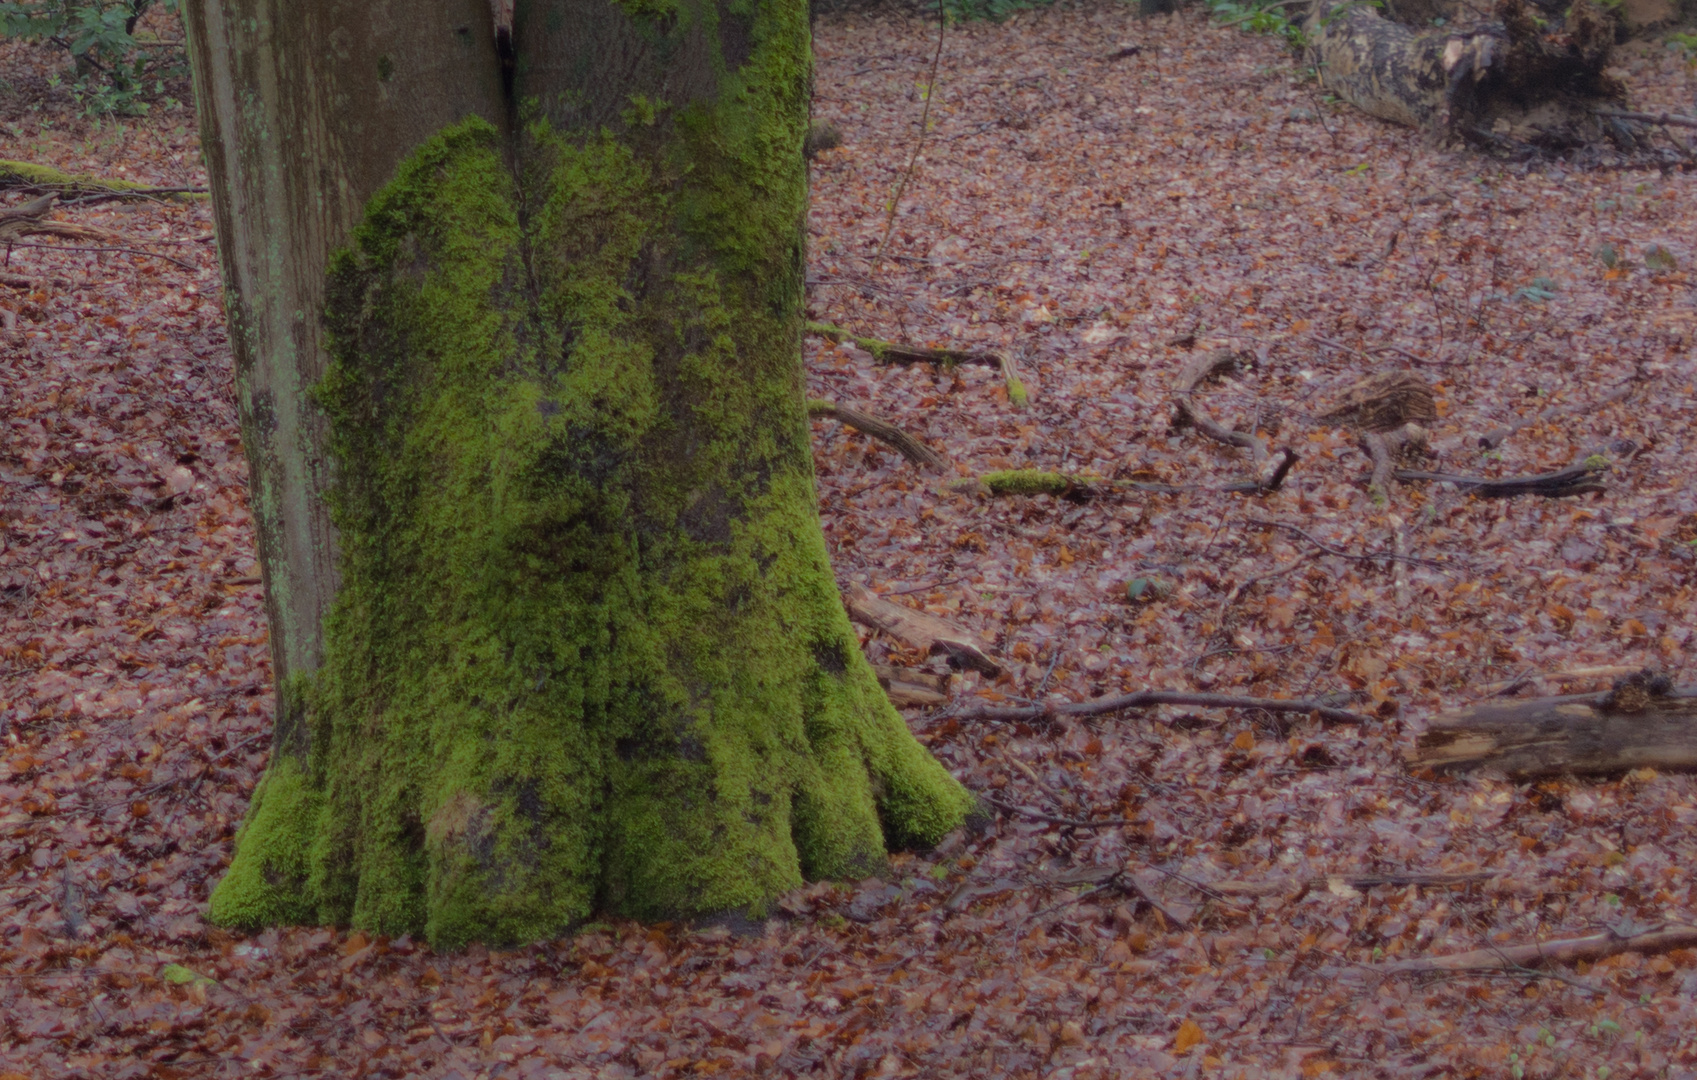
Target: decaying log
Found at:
906, 445
1664, 938
919, 629
1642, 723
897, 353
1495, 83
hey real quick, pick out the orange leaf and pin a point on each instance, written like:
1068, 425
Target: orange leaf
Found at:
1189, 1035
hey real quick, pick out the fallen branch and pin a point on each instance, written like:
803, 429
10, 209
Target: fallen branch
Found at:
896, 353
1145, 699
918, 629
906, 445
1591, 948
1186, 413
1573, 480
1642, 723
55, 228
31, 176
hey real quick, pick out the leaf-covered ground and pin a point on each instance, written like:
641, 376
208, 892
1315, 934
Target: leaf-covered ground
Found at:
1099, 213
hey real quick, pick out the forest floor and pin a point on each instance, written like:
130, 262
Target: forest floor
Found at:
1100, 214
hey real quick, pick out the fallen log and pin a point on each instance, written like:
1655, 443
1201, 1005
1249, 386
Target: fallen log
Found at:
1644, 722
1496, 84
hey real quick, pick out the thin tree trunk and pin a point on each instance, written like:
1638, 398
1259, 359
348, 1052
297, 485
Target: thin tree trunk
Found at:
567, 636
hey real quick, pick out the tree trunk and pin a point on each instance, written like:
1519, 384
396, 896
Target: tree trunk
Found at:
1496, 83
517, 338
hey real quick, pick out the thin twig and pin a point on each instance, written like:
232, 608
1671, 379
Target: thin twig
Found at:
924, 120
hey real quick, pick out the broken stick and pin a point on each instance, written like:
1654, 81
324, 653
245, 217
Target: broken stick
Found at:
1592, 947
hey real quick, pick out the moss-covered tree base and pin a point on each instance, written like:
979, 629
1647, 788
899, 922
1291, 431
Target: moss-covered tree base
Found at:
587, 652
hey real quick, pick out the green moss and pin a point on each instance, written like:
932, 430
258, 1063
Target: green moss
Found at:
587, 651
1026, 482
22, 173
1016, 392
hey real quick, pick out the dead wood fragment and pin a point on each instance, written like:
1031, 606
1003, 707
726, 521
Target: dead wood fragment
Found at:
1384, 402
1573, 480
1593, 947
1145, 699
918, 629
906, 445
1643, 723
897, 353
908, 688
1494, 438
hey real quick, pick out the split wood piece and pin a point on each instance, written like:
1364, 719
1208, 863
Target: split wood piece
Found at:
1573, 480
1494, 438
1640, 724
908, 688
1146, 699
1591, 948
918, 629
1384, 402
1286, 886
906, 445
896, 353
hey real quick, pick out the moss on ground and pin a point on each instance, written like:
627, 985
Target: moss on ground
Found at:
588, 652
1026, 482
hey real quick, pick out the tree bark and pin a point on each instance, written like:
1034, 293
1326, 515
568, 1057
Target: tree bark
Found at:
517, 336
1625, 728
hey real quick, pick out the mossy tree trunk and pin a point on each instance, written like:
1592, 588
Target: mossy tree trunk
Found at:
519, 373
